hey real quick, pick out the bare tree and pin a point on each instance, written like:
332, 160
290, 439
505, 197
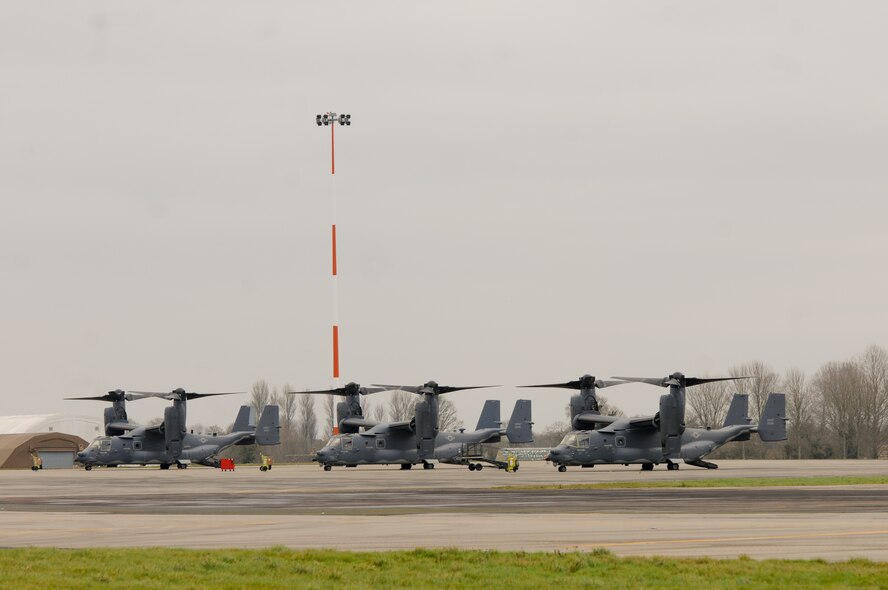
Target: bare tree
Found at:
289, 435
329, 407
260, 396
764, 381
708, 403
837, 384
400, 406
308, 422
552, 435
799, 409
873, 400
447, 418
378, 413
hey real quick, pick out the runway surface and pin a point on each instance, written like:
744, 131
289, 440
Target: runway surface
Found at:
378, 508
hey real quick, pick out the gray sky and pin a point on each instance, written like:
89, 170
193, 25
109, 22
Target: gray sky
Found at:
528, 192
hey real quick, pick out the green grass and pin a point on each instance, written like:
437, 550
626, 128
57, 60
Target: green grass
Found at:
275, 568
726, 482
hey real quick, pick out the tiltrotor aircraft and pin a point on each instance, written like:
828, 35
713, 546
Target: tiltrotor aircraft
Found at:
168, 443
663, 437
417, 440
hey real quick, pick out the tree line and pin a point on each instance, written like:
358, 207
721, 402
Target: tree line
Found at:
838, 412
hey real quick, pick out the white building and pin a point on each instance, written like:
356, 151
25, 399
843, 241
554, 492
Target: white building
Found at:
85, 428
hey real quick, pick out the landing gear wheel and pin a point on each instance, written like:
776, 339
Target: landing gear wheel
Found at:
647, 466
88, 467
181, 465
328, 467
471, 467
405, 466
428, 466
478, 467
263, 468
672, 466
164, 465
562, 468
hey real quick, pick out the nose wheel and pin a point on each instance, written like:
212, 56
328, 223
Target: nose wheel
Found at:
328, 467
562, 468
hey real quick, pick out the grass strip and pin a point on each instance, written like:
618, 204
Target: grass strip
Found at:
184, 569
725, 482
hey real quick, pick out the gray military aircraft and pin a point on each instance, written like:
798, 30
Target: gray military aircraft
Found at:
663, 437
585, 413
417, 440
168, 443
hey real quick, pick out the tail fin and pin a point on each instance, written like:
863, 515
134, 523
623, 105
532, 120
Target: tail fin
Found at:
520, 428
772, 426
738, 413
490, 415
268, 431
245, 421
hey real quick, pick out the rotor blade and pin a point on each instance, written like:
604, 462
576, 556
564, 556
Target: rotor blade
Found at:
602, 383
691, 381
658, 381
337, 391
567, 385
174, 395
407, 388
449, 389
197, 395
100, 398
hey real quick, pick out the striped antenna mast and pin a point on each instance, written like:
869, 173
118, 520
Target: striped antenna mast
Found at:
331, 119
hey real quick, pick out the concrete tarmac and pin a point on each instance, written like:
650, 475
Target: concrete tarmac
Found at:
381, 508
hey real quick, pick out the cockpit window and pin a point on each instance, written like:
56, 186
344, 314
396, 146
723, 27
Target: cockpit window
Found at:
583, 441
570, 440
94, 444
334, 442
105, 444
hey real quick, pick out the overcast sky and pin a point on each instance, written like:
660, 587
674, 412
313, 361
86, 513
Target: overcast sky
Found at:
529, 191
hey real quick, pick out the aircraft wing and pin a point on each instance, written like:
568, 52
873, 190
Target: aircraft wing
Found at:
360, 422
643, 423
122, 426
592, 418
153, 429
402, 425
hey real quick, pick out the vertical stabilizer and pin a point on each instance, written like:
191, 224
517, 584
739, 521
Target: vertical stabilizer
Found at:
738, 413
490, 415
520, 428
772, 426
268, 430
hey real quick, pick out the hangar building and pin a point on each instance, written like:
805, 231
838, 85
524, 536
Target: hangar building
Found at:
55, 449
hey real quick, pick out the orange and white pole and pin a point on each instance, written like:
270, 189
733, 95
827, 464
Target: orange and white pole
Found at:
332, 119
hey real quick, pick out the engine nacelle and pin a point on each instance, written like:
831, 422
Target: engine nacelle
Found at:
171, 432
343, 411
426, 429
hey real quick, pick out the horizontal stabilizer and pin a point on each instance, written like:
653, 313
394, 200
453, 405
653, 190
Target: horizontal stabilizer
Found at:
772, 426
490, 415
268, 430
520, 428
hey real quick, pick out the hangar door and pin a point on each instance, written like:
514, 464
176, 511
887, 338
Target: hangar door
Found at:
57, 459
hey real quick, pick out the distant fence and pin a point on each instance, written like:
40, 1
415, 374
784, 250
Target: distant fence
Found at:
524, 453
